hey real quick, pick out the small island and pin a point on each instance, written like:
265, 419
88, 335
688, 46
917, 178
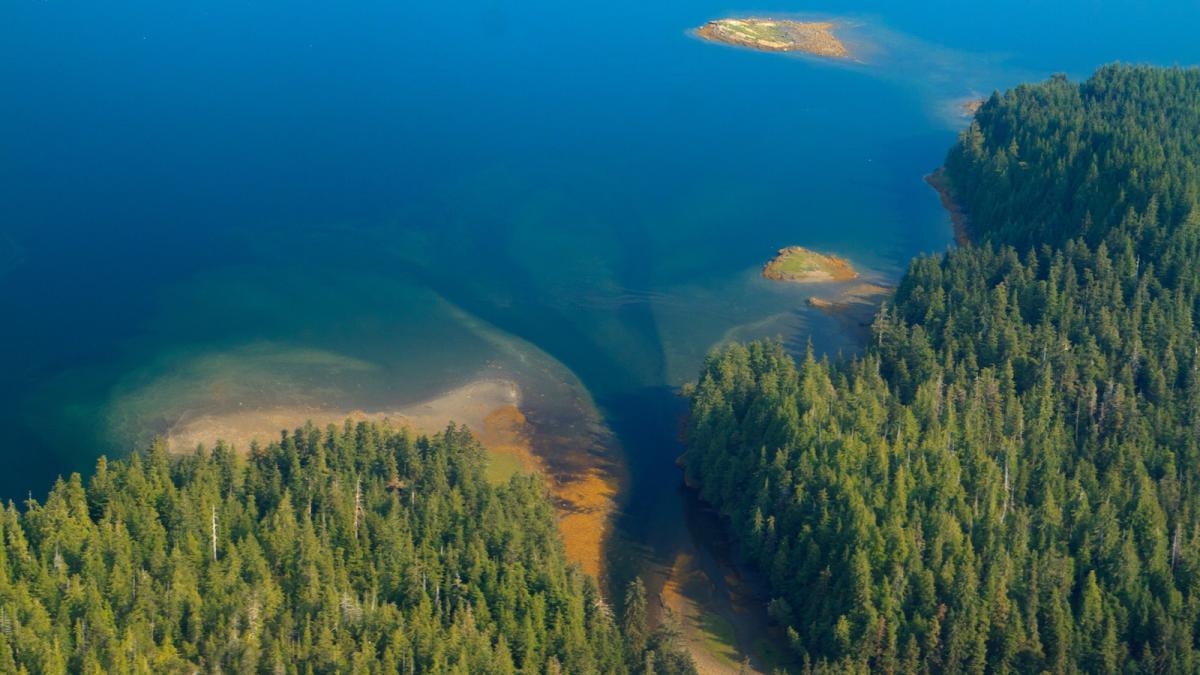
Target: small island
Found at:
777, 35
796, 263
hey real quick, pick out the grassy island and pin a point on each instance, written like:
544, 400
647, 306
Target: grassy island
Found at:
796, 263
776, 35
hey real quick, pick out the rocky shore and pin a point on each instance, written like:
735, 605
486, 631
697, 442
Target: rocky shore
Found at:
958, 217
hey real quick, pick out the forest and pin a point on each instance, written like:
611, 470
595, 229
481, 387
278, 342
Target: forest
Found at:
350, 549
1006, 478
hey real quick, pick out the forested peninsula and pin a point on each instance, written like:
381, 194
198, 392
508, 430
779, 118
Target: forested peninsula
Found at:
356, 548
1006, 479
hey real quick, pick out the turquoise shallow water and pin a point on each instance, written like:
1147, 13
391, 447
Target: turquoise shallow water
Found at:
272, 201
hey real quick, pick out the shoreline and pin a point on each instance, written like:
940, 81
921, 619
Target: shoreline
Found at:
513, 430
958, 217
719, 599
467, 405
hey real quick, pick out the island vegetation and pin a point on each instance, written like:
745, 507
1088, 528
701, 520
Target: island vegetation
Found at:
354, 548
799, 264
777, 35
1005, 480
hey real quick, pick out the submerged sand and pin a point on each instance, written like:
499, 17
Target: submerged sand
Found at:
968, 107
845, 298
468, 405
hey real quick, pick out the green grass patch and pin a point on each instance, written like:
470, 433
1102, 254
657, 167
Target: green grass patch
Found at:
763, 32
719, 639
800, 263
502, 467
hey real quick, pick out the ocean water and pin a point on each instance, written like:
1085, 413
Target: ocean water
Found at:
243, 203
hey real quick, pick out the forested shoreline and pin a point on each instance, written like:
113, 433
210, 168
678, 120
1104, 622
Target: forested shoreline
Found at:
356, 548
1005, 480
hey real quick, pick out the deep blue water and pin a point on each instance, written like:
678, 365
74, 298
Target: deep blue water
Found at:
184, 182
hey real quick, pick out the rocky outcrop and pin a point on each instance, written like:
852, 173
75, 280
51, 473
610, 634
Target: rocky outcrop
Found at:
799, 264
777, 35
